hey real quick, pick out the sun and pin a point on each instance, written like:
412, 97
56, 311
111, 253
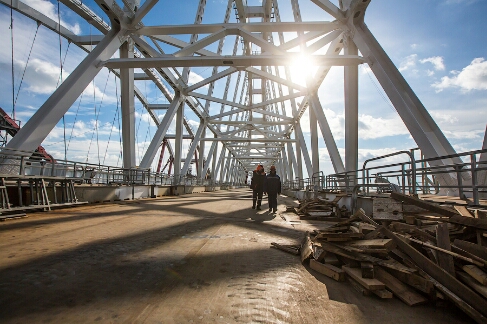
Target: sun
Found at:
301, 68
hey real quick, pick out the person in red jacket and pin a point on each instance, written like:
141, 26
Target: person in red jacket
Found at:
272, 185
257, 186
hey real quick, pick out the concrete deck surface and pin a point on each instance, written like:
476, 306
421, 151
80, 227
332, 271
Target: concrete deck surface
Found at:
200, 258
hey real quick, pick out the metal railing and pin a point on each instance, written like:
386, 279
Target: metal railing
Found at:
467, 179
16, 163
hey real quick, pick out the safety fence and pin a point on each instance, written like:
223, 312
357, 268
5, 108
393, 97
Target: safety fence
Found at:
16, 163
463, 175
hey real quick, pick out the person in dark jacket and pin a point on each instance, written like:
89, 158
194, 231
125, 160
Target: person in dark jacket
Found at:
257, 186
272, 185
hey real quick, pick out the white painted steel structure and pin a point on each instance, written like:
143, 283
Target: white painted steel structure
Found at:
260, 123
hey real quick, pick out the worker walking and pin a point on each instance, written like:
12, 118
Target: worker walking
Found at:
272, 185
257, 186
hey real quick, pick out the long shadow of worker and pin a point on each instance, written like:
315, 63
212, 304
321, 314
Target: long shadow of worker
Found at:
263, 216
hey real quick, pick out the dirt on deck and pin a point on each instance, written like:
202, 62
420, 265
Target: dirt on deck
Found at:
201, 258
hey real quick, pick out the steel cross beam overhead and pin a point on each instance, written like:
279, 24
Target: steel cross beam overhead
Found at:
249, 105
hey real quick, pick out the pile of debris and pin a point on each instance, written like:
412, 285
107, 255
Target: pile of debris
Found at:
321, 209
439, 254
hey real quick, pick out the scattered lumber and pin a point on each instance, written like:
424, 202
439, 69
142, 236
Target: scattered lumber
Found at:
430, 253
306, 248
423, 204
445, 260
402, 291
440, 275
321, 209
476, 273
370, 284
328, 270
293, 249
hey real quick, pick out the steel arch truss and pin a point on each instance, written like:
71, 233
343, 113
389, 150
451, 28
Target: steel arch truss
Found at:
250, 103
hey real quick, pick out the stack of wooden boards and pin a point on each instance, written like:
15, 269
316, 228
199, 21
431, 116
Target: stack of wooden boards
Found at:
321, 209
439, 254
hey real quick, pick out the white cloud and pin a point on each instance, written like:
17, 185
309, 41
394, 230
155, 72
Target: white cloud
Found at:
437, 62
48, 9
195, 78
472, 77
408, 63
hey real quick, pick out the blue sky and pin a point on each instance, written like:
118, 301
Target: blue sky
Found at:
439, 46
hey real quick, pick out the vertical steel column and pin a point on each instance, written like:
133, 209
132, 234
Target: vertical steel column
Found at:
315, 153
351, 113
178, 143
128, 107
219, 165
213, 163
201, 170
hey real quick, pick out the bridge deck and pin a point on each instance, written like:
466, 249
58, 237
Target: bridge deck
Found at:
201, 258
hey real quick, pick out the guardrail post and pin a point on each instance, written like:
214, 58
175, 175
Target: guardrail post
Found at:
475, 189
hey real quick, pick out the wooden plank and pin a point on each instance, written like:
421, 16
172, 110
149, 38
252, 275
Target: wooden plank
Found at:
383, 293
475, 249
370, 284
358, 287
361, 214
365, 227
411, 229
328, 270
469, 221
474, 313
414, 280
423, 204
372, 235
373, 244
434, 247
331, 258
367, 269
306, 248
318, 253
440, 275
445, 260
334, 229
392, 264
287, 249
469, 281
476, 273
339, 235
403, 292
462, 210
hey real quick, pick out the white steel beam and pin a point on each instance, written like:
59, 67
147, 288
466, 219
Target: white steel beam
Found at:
330, 143
304, 149
260, 27
330, 8
46, 117
213, 78
209, 159
425, 132
351, 113
178, 144
315, 153
161, 131
193, 146
128, 107
228, 60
